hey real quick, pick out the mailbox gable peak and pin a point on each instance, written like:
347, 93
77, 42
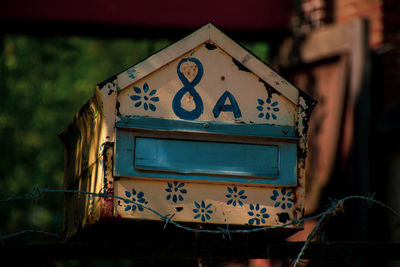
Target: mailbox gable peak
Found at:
212, 38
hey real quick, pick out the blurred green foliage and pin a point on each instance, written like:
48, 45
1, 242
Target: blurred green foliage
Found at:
44, 82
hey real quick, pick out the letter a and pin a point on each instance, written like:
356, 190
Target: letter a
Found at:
233, 107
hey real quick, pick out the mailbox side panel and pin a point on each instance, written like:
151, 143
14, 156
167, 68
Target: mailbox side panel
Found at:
88, 148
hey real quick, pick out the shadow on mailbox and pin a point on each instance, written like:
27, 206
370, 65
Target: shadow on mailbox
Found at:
202, 130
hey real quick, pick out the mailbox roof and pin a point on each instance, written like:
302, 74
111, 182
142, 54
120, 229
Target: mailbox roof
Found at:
207, 33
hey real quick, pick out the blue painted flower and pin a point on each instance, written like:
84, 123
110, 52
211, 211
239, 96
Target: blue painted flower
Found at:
257, 214
136, 199
284, 199
144, 97
202, 211
235, 196
269, 109
175, 190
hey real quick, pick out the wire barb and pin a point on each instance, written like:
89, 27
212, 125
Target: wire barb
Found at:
225, 232
167, 219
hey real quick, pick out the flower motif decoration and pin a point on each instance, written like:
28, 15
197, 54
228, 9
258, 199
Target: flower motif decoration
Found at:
175, 190
142, 96
136, 199
269, 109
235, 196
202, 211
257, 214
284, 199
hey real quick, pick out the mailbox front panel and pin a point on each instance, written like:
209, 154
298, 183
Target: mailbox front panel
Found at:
205, 139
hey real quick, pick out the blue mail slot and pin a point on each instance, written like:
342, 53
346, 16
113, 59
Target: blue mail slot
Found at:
200, 157
268, 162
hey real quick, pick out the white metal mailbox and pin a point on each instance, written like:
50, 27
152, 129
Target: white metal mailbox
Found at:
202, 129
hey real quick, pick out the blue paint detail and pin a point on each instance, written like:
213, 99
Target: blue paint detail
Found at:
135, 97
202, 211
284, 199
269, 106
131, 73
145, 87
157, 124
188, 87
200, 157
175, 191
144, 97
136, 199
182, 168
221, 106
91, 203
235, 196
257, 216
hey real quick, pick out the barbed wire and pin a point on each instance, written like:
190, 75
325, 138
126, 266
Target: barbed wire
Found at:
335, 207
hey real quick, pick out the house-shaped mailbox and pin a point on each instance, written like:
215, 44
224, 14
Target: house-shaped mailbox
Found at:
202, 130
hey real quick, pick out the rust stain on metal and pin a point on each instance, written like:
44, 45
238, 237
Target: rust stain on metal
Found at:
189, 70
107, 204
189, 98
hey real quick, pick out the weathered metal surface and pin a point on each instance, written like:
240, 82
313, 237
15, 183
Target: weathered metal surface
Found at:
202, 130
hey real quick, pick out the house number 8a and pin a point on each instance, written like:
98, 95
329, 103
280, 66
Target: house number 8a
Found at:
189, 87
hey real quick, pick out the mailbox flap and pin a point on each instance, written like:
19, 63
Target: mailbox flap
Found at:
268, 162
200, 157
